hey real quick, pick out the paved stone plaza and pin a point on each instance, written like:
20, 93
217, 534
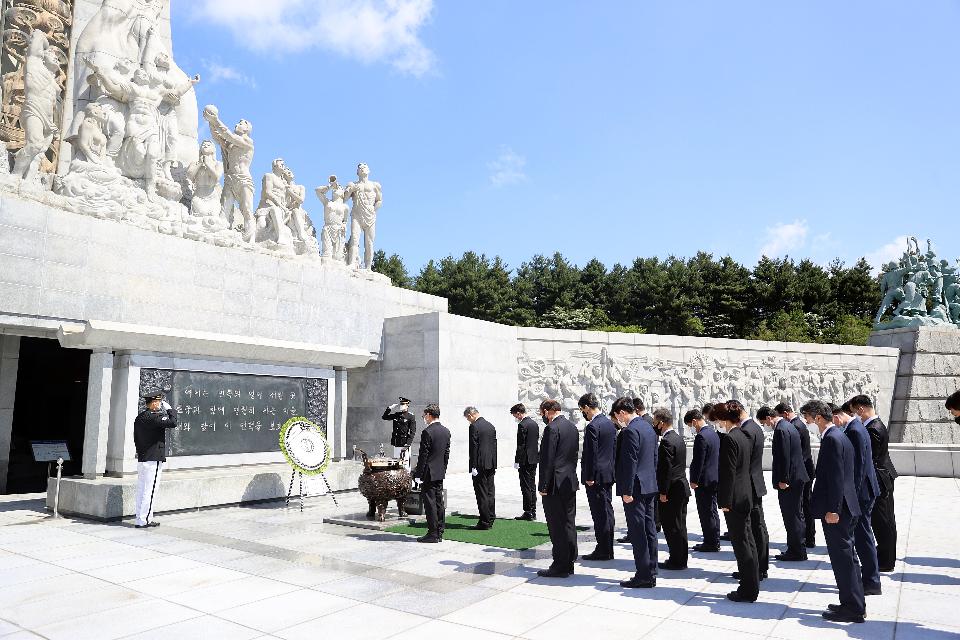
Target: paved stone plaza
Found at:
271, 572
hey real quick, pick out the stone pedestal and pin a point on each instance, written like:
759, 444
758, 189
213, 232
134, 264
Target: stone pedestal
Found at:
928, 372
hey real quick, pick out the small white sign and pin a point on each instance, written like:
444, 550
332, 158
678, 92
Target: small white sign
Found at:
50, 450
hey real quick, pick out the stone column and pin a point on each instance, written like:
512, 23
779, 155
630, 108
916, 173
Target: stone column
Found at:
338, 429
9, 363
124, 401
97, 428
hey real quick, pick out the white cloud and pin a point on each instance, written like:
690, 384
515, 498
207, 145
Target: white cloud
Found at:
890, 252
365, 30
507, 169
217, 72
785, 239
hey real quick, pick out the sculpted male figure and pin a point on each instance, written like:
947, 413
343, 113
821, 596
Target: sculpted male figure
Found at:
272, 211
41, 89
367, 198
236, 147
204, 175
335, 214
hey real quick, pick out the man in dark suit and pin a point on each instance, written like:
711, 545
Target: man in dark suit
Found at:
597, 473
789, 476
525, 461
785, 411
637, 486
868, 489
431, 470
883, 518
483, 466
558, 486
736, 495
835, 501
673, 488
150, 441
758, 521
704, 468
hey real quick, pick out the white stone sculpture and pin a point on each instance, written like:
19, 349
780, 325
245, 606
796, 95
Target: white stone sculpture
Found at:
335, 214
272, 215
173, 93
304, 233
367, 198
236, 148
38, 116
204, 177
90, 140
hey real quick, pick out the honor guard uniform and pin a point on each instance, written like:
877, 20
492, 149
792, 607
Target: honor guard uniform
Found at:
149, 437
404, 426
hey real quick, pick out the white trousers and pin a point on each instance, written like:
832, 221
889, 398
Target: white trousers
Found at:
396, 454
148, 477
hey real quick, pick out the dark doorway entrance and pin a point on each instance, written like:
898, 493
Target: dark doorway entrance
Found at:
51, 404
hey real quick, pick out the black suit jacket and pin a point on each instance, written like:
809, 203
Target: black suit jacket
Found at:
434, 453
483, 445
150, 434
880, 446
559, 449
672, 465
755, 433
788, 464
404, 427
637, 459
528, 442
599, 451
834, 488
805, 445
865, 474
735, 491
706, 457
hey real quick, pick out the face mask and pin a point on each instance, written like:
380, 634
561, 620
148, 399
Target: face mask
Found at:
585, 417
545, 419
957, 419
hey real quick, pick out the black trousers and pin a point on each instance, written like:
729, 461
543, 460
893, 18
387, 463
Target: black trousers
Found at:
483, 488
433, 507
673, 517
561, 514
741, 537
600, 499
761, 539
866, 545
843, 561
706, 498
884, 522
643, 535
809, 522
528, 487
791, 509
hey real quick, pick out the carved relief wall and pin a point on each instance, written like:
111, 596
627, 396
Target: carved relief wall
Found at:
684, 373
20, 17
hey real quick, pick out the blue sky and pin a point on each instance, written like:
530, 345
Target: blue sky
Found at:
605, 129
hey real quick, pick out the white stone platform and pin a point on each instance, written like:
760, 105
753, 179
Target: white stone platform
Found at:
266, 572
114, 498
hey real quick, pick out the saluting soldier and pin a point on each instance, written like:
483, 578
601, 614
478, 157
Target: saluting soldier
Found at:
404, 427
150, 440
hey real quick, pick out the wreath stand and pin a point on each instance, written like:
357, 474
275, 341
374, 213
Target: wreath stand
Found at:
299, 474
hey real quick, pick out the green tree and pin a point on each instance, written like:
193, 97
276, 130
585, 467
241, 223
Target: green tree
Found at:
392, 267
785, 326
550, 282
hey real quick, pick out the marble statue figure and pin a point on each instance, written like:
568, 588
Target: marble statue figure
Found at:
90, 140
272, 214
367, 198
204, 176
304, 233
236, 148
38, 116
335, 214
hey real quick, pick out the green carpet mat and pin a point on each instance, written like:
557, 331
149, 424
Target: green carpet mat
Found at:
505, 534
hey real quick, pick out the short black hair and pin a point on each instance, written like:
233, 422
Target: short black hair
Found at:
550, 405
736, 405
518, 408
707, 408
433, 410
834, 409
783, 408
693, 414
847, 408
589, 400
953, 401
638, 406
816, 408
765, 412
861, 401
624, 404
663, 416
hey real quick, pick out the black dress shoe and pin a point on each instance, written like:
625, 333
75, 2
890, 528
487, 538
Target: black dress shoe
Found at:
725, 536
623, 539
811, 544
667, 566
872, 591
153, 524
887, 569
633, 583
526, 516
704, 549
736, 597
428, 539
481, 527
554, 573
789, 557
598, 557
841, 615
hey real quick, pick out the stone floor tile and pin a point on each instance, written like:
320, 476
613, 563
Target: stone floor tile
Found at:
592, 622
508, 613
362, 622
286, 610
227, 595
